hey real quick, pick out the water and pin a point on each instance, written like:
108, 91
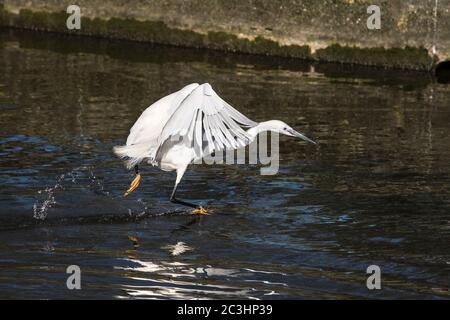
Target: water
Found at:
374, 191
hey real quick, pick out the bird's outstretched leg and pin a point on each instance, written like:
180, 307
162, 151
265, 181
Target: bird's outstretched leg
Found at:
135, 183
196, 208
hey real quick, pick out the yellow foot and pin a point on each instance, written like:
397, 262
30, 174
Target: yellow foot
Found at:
200, 210
134, 184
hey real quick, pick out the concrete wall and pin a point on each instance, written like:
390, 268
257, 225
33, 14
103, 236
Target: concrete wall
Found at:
414, 34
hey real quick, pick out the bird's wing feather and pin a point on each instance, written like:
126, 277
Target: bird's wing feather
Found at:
205, 122
148, 127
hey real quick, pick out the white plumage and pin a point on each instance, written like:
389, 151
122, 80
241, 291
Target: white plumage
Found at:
188, 125
193, 113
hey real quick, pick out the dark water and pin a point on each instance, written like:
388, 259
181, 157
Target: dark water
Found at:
374, 191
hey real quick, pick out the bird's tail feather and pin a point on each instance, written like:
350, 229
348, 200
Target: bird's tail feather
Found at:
133, 154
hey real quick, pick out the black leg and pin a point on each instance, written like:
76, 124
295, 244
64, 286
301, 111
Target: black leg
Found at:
184, 203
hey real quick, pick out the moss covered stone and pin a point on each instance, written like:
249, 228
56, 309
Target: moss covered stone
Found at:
405, 58
260, 45
160, 32
152, 31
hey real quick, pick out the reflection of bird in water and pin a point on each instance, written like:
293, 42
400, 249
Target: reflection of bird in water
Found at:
184, 127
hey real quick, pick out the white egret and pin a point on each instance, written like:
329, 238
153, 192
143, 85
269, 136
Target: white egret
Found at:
184, 127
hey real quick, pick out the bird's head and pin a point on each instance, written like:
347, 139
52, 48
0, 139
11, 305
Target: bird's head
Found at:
283, 128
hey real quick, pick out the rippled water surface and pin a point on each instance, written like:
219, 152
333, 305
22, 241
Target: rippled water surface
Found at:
375, 190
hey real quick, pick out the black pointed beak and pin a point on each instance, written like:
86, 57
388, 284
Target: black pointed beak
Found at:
301, 136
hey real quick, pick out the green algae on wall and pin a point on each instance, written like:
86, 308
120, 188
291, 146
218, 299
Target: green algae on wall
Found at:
405, 58
152, 31
159, 32
260, 45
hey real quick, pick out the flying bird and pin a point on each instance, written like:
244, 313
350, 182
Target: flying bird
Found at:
184, 127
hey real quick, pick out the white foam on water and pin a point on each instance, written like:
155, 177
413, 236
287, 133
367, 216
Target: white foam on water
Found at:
177, 249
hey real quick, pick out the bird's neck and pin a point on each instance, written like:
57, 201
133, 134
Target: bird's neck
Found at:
261, 127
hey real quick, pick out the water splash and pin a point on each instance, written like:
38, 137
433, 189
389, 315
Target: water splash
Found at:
96, 182
40, 209
47, 196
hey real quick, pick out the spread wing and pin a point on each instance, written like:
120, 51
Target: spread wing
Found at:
151, 122
205, 122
